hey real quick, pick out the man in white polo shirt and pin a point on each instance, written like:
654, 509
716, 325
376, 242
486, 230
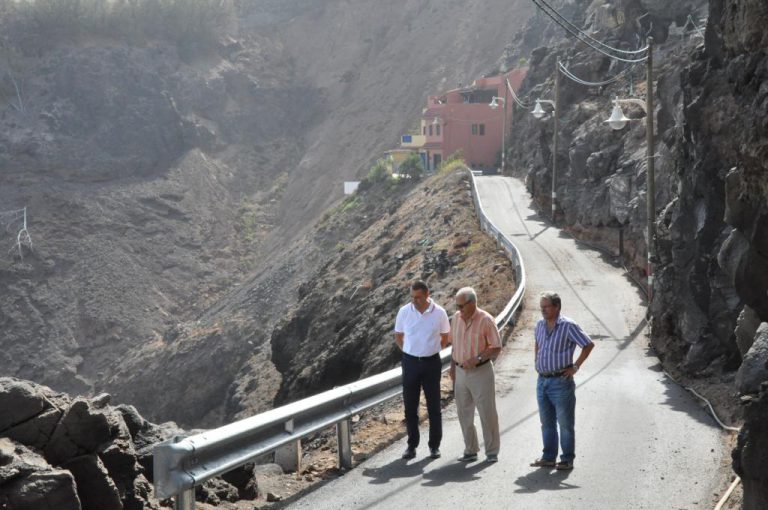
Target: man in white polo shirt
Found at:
421, 330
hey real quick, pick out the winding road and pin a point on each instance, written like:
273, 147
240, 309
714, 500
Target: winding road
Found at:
641, 441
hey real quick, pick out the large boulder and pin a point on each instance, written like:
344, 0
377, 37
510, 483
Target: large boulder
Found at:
28, 482
81, 431
95, 442
749, 458
29, 412
746, 329
754, 369
96, 489
19, 401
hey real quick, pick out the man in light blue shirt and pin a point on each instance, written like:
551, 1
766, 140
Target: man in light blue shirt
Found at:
556, 340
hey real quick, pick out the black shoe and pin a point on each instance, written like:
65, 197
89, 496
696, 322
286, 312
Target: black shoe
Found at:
409, 453
468, 457
434, 453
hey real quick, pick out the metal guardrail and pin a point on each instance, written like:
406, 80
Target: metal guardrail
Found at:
183, 463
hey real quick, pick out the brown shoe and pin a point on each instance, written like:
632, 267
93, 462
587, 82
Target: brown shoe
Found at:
564, 466
543, 463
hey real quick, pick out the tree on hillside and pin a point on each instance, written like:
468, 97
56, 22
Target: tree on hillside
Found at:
412, 167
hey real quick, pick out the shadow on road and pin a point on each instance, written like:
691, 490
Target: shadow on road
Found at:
543, 480
678, 399
456, 472
395, 469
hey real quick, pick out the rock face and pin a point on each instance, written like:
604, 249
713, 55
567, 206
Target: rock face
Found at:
63, 453
711, 218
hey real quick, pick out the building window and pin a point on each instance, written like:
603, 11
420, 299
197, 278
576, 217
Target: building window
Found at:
424, 130
437, 130
474, 129
430, 130
482, 129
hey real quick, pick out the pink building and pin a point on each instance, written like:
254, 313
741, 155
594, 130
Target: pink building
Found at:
462, 120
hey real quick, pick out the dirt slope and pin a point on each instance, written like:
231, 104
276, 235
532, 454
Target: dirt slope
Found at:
354, 270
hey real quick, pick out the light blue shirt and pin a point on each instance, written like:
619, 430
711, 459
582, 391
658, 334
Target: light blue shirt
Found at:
556, 347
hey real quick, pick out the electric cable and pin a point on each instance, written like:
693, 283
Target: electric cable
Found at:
600, 43
698, 29
586, 41
575, 78
515, 97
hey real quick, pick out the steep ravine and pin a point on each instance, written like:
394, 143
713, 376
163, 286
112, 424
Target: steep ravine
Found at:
169, 180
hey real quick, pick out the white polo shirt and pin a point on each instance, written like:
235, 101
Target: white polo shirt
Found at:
421, 331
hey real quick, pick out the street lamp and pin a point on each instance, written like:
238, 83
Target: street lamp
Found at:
539, 112
617, 121
494, 104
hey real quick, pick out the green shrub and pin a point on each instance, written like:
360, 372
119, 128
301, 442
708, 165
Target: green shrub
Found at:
454, 161
412, 167
450, 166
379, 172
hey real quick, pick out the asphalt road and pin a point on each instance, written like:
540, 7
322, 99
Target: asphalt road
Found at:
641, 441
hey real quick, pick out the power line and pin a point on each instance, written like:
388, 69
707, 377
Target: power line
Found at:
583, 37
575, 78
515, 97
600, 43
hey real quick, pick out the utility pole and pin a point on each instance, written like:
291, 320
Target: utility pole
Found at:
650, 173
555, 139
504, 130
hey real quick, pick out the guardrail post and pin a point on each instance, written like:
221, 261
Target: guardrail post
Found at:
185, 500
344, 436
288, 456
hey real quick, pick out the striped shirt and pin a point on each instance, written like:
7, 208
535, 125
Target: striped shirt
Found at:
556, 347
474, 336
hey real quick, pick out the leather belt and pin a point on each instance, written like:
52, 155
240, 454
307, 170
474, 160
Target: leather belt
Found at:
478, 365
559, 373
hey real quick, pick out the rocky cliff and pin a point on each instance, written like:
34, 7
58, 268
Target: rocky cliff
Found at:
711, 272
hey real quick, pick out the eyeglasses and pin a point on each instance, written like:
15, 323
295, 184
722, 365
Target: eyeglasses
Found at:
461, 305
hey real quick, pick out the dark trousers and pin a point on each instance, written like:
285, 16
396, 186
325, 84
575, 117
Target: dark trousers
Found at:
417, 374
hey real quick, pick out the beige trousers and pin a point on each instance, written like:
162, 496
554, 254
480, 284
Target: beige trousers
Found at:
476, 388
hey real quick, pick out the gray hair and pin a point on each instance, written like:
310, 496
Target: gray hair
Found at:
552, 297
468, 293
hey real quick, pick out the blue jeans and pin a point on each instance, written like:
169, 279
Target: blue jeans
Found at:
557, 407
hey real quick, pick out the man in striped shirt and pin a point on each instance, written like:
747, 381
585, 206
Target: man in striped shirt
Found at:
556, 340
476, 342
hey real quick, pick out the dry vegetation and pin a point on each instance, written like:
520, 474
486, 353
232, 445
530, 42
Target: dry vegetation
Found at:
36, 25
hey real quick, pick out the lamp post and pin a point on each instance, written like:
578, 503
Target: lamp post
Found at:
539, 112
494, 104
617, 121
436, 123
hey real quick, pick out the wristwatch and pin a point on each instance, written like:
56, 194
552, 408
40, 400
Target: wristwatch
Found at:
576, 367
479, 359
